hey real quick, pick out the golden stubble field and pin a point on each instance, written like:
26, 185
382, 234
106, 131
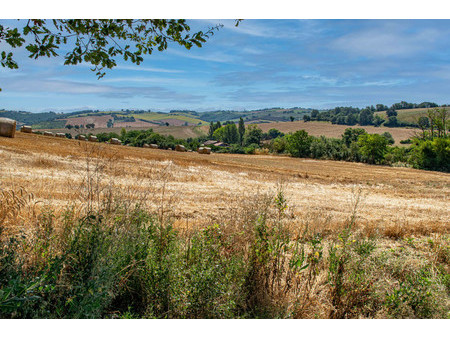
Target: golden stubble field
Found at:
197, 189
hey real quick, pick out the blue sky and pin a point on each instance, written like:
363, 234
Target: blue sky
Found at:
261, 63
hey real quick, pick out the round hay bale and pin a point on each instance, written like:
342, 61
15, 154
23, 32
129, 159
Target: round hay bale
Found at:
154, 146
81, 138
145, 145
180, 147
60, 135
7, 127
93, 138
115, 141
26, 129
48, 133
204, 150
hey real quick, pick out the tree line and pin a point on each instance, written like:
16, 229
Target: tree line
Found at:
366, 116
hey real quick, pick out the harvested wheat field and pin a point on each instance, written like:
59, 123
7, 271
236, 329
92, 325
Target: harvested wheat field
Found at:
255, 236
200, 187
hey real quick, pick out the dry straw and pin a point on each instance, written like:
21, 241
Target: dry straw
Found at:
7, 127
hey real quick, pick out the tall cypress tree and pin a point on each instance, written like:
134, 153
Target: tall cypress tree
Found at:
241, 130
211, 130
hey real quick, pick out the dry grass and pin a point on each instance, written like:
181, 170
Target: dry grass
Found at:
398, 215
397, 201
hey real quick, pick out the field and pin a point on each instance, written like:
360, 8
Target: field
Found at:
398, 218
407, 115
335, 130
173, 119
99, 121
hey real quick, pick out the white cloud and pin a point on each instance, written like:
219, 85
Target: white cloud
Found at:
388, 40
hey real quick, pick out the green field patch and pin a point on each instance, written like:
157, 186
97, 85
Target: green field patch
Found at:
56, 124
407, 115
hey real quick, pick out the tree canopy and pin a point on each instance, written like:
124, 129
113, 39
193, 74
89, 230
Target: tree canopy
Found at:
99, 42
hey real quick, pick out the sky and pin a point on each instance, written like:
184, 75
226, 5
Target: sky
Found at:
259, 64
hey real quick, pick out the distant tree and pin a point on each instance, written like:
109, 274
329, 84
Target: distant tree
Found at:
381, 107
231, 134
252, 135
373, 147
392, 121
167, 124
440, 120
378, 121
211, 129
391, 112
314, 114
292, 118
241, 130
351, 119
274, 133
69, 126
366, 117
424, 123
219, 134
306, 118
351, 135
388, 137
298, 144
123, 134
110, 123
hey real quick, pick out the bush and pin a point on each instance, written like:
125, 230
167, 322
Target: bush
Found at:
251, 148
431, 154
298, 144
373, 147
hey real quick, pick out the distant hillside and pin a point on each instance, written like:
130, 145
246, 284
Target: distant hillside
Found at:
261, 116
141, 119
28, 118
407, 115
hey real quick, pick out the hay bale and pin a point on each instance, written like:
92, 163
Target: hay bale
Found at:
145, 145
48, 133
81, 138
61, 135
180, 147
7, 127
92, 138
26, 129
115, 141
204, 150
154, 146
